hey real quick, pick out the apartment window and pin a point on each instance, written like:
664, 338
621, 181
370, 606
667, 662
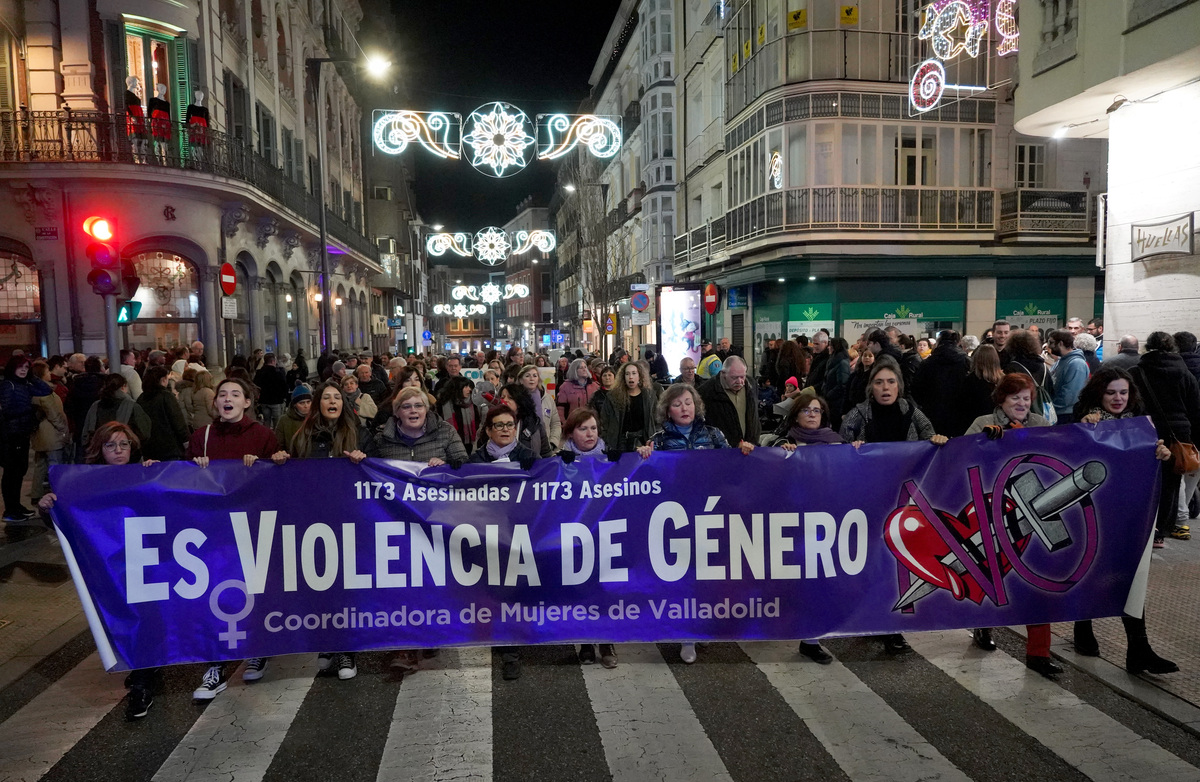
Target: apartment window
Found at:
265, 124
386, 244
288, 148
382, 194
1030, 169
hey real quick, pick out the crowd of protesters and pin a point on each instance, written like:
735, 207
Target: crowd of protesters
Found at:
516, 407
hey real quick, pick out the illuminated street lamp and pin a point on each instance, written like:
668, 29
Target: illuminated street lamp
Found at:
375, 66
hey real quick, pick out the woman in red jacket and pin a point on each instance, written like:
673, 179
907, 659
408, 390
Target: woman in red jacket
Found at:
231, 435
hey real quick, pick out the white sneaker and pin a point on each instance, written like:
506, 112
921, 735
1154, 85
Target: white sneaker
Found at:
324, 660
688, 653
346, 667
214, 681
255, 667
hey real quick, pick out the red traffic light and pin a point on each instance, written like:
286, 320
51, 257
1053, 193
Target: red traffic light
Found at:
99, 228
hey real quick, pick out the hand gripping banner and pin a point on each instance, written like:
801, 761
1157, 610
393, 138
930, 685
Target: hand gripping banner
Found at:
177, 564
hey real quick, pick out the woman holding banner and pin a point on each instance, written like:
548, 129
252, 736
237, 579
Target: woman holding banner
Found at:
503, 446
680, 416
808, 423
627, 415
543, 402
331, 430
115, 443
887, 417
233, 434
1110, 395
581, 440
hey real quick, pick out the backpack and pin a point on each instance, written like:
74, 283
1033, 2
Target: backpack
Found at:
1042, 399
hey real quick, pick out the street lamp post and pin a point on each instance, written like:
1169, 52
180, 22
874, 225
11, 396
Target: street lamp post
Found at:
315, 66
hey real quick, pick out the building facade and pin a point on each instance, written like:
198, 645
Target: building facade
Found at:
836, 199
1127, 72
621, 213
530, 319
78, 138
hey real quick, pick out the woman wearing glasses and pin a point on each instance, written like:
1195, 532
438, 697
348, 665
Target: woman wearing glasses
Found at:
808, 423
115, 443
502, 445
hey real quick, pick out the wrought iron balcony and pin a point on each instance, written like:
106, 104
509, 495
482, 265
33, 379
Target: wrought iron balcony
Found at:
66, 137
1037, 212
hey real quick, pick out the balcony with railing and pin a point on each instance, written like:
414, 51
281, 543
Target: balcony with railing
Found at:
696, 249
1037, 213
70, 137
710, 29
709, 142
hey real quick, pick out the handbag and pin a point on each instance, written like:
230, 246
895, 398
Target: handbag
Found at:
1185, 456
1043, 400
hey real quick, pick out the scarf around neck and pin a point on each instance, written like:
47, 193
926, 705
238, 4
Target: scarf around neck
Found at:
800, 435
598, 452
498, 452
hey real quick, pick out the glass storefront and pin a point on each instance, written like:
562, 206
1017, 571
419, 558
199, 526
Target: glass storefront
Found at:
20, 306
169, 295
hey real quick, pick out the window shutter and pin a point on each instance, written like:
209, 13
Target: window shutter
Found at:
114, 33
7, 101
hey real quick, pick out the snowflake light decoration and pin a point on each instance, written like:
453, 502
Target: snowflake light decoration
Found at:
498, 135
460, 310
490, 293
492, 246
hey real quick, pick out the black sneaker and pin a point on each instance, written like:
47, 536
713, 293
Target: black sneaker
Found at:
608, 655
214, 682
346, 667
255, 667
140, 701
324, 660
18, 515
587, 654
895, 644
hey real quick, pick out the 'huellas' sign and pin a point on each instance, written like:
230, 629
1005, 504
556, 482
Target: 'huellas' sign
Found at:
1171, 236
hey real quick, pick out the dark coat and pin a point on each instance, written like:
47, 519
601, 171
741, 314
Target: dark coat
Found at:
1166, 376
612, 418
272, 385
17, 419
720, 412
702, 437
835, 386
856, 389
439, 441
977, 396
1034, 366
521, 455
82, 392
937, 387
1125, 359
1193, 363
818, 372
168, 430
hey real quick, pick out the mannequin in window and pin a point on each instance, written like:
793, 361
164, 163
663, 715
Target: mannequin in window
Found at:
160, 122
135, 120
197, 124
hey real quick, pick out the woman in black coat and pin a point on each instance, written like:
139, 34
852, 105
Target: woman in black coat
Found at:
1172, 397
168, 431
17, 425
938, 386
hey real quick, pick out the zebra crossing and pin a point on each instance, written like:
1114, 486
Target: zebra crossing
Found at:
744, 711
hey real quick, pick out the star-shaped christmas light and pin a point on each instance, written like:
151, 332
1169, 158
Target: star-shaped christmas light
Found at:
492, 246
490, 293
498, 137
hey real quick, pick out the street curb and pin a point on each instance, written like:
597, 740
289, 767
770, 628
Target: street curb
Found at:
1142, 691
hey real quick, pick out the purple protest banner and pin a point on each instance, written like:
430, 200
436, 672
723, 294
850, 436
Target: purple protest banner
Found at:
176, 564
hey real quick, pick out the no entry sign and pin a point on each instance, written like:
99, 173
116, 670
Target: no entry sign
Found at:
228, 279
710, 298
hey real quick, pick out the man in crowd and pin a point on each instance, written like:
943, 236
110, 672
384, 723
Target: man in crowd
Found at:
687, 371
1095, 327
1070, 373
82, 391
709, 360
1000, 331
129, 372
453, 369
369, 384
731, 404
75, 365
725, 349
820, 349
196, 354
272, 390
1127, 355
1074, 325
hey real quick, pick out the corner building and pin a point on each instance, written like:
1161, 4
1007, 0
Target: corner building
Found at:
185, 200
814, 194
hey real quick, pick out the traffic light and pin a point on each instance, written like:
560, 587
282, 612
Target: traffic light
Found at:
102, 252
129, 311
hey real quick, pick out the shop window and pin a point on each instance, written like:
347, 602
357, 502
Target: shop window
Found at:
169, 295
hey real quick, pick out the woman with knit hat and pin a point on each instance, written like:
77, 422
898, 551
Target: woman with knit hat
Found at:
289, 422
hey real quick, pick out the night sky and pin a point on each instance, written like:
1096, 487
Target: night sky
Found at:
460, 54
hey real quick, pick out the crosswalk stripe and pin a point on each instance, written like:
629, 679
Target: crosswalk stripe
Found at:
42, 731
866, 737
240, 731
1085, 737
646, 725
442, 725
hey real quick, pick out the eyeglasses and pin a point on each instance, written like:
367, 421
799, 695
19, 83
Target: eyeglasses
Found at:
810, 411
119, 445
504, 425
417, 406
